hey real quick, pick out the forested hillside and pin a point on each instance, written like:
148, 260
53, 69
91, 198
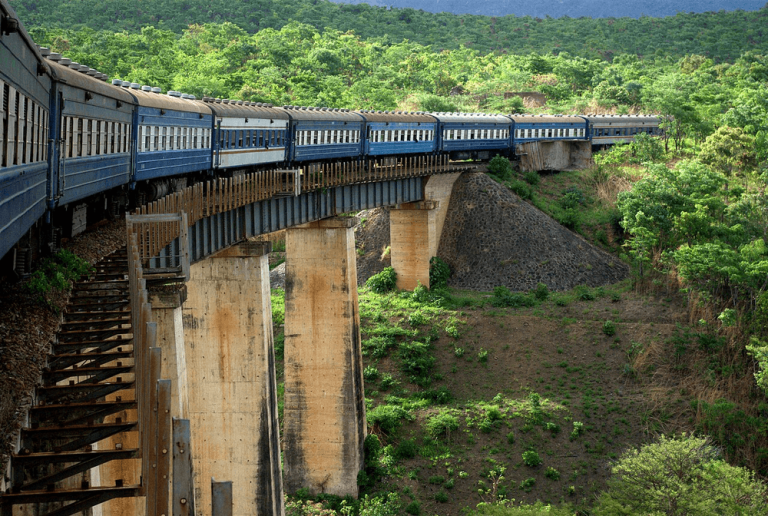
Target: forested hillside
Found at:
722, 36
574, 9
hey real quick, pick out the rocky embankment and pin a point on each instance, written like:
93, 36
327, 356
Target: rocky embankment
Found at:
492, 237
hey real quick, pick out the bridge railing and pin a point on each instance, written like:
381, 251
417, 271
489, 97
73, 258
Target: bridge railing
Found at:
160, 248
153, 395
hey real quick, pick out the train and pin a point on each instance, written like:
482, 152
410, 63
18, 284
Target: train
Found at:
77, 147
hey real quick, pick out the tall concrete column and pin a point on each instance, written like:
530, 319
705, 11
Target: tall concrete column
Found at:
414, 237
231, 380
324, 400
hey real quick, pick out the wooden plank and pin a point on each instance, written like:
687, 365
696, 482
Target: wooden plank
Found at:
163, 443
183, 501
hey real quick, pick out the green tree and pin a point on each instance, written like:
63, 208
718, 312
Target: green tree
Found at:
729, 149
680, 476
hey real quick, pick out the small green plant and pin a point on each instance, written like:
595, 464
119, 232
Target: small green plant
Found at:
552, 474
522, 189
55, 274
511, 437
387, 382
541, 292
578, 429
413, 508
417, 318
482, 356
500, 167
442, 424
452, 331
441, 497
554, 428
449, 483
609, 328
531, 458
527, 484
439, 273
370, 373
459, 352
571, 490
532, 177
407, 449
383, 282
437, 480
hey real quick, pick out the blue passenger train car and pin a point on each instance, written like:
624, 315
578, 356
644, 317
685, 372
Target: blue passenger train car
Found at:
395, 133
91, 125
321, 134
473, 135
249, 134
548, 127
24, 118
174, 134
611, 129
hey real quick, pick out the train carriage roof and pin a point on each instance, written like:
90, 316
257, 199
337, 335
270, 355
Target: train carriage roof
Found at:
471, 118
76, 79
623, 119
159, 101
547, 119
7, 11
320, 114
396, 116
241, 109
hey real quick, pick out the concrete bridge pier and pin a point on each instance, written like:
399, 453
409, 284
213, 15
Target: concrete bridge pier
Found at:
230, 369
324, 415
415, 229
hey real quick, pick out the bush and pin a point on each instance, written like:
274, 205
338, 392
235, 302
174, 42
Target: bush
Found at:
437, 480
502, 297
407, 449
531, 458
578, 429
383, 282
500, 167
532, 178
413, 508
552, 474
388, 418
527, 484
442, 424
522, 189
569, 218
55, 274
511, 437
680, 475
541, 292
441, 496
439, 273
609, 328
370, 373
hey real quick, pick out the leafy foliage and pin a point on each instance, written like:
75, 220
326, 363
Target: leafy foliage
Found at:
680, 475
55, 275
439, 273
383, 282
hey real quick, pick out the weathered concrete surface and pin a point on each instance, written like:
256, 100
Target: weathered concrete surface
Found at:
439, 188
324, 414
167, 313
231, 380
414, 240
554, 155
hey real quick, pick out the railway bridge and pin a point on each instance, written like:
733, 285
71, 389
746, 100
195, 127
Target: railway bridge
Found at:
203, 384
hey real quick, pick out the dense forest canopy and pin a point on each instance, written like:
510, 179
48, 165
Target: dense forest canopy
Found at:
574, 9
721, 36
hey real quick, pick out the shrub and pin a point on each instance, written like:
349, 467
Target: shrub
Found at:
378, 346
459, 352
388, 418
442, 424
500, 167
417, 318
387, 382
441, 496
522, 189
511, 437
482, 355
407, 449
541, 292
531, 458
55, 273
531, 177
437, 480
413, 508
680, 475
569, 218
609, 328
439, 273
578, 429
383, 282
552, 427
527, 484
502, 297
370, 373
552, 474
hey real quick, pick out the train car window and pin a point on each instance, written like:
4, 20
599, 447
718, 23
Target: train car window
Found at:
164, 139
99, 139
3, 121
177, 133
13, 110
22, 139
